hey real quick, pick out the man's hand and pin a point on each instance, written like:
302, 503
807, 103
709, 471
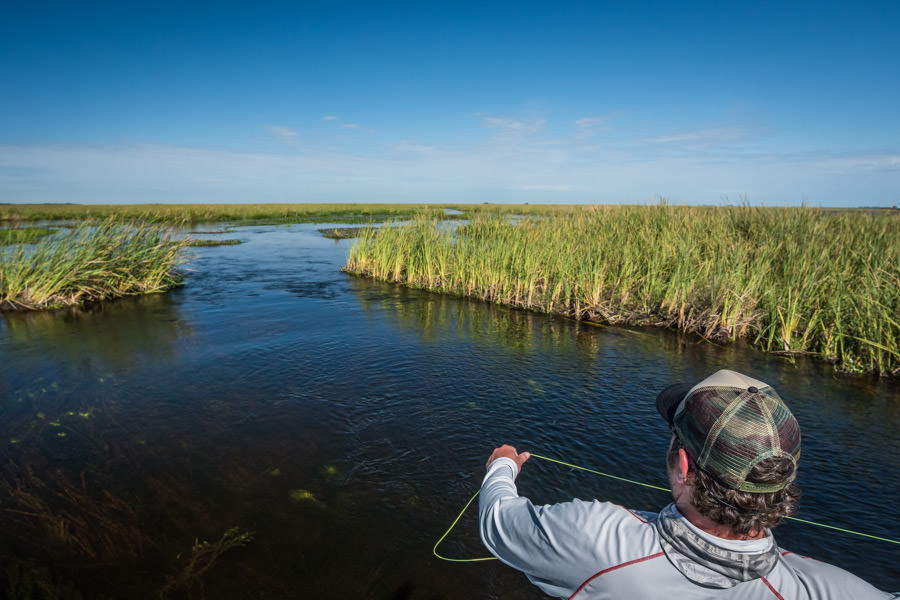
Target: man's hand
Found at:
509, 452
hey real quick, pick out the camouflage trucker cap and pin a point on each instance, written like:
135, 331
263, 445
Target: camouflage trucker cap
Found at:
730, 422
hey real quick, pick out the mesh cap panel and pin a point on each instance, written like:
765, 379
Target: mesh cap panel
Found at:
728, 430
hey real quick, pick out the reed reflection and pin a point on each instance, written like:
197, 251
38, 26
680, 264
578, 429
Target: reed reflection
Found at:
111, 336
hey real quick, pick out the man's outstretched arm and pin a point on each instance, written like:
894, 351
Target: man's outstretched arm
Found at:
544, 542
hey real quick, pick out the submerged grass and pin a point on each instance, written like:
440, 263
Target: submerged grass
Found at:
203, 556
95, 260
793, 281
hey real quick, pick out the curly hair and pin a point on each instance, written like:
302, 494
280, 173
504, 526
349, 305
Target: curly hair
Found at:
744, 512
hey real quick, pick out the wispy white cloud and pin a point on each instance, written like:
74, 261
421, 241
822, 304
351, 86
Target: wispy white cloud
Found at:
355, 126
284, 133
705, 136
590, 122
514, 125
588, 126
416, 148
861, 163
502, 159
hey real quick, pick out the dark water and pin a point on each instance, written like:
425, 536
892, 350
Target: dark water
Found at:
346, 422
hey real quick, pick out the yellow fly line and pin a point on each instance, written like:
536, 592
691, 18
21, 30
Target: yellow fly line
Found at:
647, 485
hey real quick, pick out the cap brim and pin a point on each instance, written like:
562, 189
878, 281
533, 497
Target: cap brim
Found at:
668, 400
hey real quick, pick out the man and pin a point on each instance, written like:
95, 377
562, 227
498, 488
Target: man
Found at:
731, 464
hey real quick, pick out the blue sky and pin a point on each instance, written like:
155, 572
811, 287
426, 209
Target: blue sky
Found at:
609, 102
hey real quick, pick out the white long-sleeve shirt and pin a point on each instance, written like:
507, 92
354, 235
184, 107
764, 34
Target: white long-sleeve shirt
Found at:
598, 550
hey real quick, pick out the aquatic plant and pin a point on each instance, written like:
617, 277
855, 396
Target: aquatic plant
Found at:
203, 557
341, 233
792, 281
95, 260
205, 243
301, 495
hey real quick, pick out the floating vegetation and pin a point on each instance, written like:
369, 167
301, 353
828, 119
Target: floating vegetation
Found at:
791, 281
203, 557
192, 242
96, 260
23, 235
302, 496
342, 233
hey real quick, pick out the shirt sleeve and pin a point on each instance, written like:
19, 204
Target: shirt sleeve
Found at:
557, 546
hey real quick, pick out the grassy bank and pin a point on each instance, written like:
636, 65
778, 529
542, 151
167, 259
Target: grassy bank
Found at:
796, 281
95, 260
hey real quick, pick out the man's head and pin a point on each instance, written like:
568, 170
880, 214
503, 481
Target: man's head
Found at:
742, 444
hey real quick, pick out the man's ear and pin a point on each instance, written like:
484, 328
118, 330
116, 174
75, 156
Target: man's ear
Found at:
684, 464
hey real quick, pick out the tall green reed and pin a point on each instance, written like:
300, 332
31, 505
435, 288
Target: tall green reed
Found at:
95, 260
793, 281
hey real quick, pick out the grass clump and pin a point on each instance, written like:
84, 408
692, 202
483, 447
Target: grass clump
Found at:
95, 260
793, 281
204, 243
341, 233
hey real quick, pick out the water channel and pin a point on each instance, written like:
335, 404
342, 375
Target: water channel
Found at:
345, 422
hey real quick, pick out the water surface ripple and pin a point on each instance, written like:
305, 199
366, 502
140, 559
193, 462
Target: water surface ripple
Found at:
345, 422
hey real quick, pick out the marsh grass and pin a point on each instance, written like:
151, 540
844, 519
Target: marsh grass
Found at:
95, 260
792, 281
205, 243
215, 213
341, 233
23, 235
